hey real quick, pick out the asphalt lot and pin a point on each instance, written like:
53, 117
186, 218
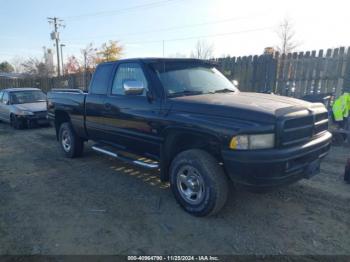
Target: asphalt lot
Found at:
97, 205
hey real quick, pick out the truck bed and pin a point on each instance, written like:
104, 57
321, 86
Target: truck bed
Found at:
71, 101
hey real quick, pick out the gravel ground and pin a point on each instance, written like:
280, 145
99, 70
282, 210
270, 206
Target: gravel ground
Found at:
97, 205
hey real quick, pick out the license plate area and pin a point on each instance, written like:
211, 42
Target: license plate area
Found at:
42, 121
313, 168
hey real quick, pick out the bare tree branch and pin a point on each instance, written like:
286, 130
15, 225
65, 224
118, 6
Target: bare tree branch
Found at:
203, 50
286, 34
89, 56
33, 66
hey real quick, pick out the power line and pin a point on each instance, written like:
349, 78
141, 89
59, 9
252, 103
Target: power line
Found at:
123, 10
170, 28
201, 36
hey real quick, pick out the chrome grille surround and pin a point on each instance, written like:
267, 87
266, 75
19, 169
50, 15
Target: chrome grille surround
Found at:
302, 127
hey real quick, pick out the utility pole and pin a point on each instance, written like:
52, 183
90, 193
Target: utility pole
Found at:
163, 48
57, 23
62, 45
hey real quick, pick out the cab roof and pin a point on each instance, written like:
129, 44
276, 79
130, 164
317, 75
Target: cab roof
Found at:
149, 60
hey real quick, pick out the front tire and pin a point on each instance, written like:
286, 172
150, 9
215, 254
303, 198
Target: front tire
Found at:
72, 145
198, 182
16, 123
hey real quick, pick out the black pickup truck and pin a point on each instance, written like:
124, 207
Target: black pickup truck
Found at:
183, 117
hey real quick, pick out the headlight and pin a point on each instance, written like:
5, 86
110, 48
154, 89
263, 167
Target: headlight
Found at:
261, 141
25, 113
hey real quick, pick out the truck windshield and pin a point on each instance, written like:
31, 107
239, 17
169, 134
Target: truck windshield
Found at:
194, 80
24, 97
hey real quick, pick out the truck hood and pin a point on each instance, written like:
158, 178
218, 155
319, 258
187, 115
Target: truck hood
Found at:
32, 107
242, 105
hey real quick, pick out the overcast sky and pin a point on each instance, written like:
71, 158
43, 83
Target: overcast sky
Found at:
233, 27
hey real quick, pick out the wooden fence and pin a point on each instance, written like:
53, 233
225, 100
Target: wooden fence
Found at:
295, 74
80, 80
254, 73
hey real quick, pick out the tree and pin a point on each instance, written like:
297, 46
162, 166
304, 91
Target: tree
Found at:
110, 51
286, 35
203, 50
6, 67
43, 70
32, 66
72, 66
89, 57
17, 62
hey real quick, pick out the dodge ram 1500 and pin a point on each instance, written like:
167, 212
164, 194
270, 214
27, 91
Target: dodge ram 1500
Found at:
183, 117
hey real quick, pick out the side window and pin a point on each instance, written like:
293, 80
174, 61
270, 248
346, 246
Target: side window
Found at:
1, 93
101, 79
5, 98
128, 71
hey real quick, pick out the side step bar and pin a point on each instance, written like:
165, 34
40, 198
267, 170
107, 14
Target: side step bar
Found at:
104, 151
137, 162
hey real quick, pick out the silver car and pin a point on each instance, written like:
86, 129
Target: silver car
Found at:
23, 107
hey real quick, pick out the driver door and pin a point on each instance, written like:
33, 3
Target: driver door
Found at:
132, 120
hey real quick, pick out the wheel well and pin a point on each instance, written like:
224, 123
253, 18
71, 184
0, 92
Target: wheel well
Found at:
180, 141
12, 116
60, 117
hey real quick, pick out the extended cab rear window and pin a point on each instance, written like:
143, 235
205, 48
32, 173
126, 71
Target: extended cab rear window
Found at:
101, 79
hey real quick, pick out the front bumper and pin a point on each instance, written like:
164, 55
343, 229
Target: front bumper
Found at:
34, 119
276, 167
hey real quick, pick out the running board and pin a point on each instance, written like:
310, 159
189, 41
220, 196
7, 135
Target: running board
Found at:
137, 162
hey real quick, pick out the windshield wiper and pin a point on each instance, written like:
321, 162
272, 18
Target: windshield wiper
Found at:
186, 93
225, 90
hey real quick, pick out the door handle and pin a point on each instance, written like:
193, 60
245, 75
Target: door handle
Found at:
108, 106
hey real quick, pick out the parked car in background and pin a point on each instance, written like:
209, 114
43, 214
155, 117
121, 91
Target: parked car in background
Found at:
23, 107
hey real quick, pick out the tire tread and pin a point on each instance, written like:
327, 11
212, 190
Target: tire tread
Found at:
77, 143
213, 171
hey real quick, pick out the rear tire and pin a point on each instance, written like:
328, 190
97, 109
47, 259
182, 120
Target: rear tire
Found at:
198, 182
72, 145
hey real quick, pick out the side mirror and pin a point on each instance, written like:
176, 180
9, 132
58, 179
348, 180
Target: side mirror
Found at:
7, 102
133, 87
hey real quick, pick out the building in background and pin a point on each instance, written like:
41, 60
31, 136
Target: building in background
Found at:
48, 61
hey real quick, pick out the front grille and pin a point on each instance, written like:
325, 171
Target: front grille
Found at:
41, 114
321, 123
298, 130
